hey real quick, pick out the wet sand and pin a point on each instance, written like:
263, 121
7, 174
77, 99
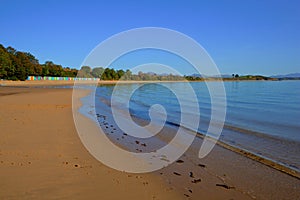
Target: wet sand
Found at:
41, 157
226, 173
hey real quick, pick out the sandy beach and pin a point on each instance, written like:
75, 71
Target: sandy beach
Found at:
42, 157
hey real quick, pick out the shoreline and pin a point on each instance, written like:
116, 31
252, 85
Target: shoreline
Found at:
222, 174
238, 152
33, 83
261, 159
277, 165
243, 152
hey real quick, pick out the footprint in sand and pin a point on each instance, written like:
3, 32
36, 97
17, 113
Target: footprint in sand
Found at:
145, 183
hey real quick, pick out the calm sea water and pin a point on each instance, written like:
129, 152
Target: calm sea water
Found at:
262, 116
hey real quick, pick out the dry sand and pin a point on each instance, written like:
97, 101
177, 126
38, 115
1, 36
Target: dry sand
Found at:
41, 157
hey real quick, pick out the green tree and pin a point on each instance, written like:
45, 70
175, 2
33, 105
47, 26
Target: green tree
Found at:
28, 64
22, 65
127, 75
114, 75
5, 62
68, 72
85, 72
120, 73
16, 65
97, 72
11, 50
107, 74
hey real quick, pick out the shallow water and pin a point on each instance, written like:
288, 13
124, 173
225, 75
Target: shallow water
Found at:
262, 116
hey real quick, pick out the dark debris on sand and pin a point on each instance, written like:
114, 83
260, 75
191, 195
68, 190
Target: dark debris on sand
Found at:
176, 173
224, 186
191, 174
196, 180
202, 165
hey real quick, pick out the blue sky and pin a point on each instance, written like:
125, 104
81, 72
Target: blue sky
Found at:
244, 37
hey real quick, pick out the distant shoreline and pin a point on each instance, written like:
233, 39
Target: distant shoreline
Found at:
101, 82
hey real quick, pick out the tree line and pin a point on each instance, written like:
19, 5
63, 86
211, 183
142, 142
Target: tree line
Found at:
17, 65
112, 74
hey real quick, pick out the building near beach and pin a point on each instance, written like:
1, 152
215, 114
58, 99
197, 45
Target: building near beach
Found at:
52, 78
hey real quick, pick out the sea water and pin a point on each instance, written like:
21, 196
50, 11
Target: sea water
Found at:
261, 116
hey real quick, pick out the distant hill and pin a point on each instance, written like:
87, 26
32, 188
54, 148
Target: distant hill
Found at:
292, 75
235, 77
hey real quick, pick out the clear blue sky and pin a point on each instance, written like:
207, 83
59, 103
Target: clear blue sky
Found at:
245, 37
